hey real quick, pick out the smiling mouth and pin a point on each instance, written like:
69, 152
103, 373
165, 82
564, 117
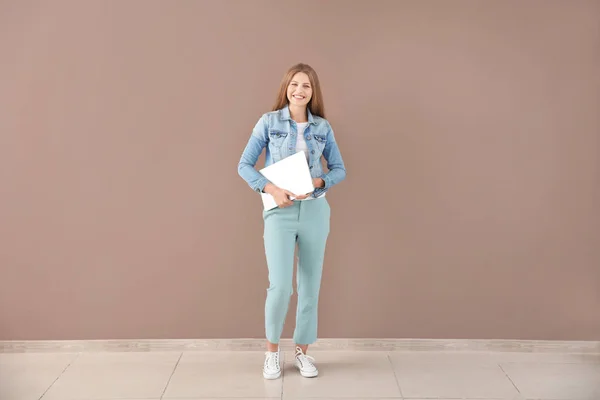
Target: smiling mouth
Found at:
298, 97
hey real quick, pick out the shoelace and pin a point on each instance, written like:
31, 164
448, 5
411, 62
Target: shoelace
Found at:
272, 360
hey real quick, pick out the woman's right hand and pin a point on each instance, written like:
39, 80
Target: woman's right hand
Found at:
281, 196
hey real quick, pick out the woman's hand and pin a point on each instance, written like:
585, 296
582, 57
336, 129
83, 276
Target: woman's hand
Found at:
281, 196
303, 196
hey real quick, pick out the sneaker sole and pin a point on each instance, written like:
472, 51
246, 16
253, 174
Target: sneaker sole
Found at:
309, 374
271, 376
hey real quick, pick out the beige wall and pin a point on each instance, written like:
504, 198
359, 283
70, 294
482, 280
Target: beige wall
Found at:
470, 132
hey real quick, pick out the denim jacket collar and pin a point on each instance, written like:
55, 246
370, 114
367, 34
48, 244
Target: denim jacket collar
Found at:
285, 115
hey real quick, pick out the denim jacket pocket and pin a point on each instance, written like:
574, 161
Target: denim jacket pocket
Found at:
277, 138
319, 142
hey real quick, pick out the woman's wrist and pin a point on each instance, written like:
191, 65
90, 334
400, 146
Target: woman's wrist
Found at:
270, 188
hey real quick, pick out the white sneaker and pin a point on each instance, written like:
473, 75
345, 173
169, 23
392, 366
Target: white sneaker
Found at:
305, 364
272, 367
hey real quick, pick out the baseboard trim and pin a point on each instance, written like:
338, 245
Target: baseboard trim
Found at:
133, 345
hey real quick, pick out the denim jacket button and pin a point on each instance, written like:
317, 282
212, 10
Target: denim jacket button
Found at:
312, 151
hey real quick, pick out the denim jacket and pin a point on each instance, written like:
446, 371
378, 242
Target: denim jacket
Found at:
277, 132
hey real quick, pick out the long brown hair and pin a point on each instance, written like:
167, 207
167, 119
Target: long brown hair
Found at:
315, 105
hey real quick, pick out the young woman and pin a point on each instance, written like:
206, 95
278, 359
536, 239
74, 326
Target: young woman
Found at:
296, 123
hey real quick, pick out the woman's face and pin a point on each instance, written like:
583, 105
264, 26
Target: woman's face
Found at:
299, 91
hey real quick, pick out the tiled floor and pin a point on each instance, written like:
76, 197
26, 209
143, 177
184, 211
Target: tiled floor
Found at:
342, 374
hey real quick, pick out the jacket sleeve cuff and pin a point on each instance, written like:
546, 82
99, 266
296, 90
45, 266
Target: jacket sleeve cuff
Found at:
260, 186
318, 192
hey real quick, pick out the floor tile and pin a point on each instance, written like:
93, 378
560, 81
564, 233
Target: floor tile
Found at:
491, 358
344, 398
222, 374
452, 378
556, 380
343, 374
115, 375
26, 376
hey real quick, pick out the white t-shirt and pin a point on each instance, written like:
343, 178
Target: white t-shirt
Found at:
300, 141
301, 146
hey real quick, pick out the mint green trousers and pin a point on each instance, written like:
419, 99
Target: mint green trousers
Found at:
305, 224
